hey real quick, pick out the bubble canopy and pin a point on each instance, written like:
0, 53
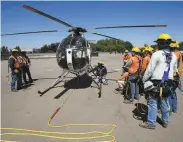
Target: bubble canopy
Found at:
79, 46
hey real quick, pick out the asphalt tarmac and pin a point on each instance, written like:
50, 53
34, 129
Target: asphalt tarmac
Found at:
26, 109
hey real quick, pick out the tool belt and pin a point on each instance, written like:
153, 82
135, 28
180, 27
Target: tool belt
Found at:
168, 87
133, 77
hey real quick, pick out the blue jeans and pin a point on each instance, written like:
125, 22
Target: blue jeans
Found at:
173, 101
134, 90
16, 79
13, 80
152, 109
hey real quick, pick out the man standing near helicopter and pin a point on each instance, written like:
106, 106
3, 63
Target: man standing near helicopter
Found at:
14, 65
26, 66
101, 72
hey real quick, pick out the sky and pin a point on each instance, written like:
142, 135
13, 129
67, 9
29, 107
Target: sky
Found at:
92, 14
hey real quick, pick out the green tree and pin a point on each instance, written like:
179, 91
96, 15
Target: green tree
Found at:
145, 45
18, 48
44, 48
111, 45
4, 50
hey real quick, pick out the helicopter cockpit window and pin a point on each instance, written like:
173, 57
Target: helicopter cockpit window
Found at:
66, 42
78, 42
79, 54
79, 45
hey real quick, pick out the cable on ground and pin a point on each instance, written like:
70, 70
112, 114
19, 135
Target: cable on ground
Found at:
47, 134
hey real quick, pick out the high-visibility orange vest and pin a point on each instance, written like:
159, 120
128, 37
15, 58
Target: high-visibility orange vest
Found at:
16, 65
25, 61
135, 65
145, 63
126, 57
179, 59
20, 60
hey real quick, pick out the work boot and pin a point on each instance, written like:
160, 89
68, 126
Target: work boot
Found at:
117, 90
164, 124
26, 82
127, 102
137, 97
147, 126
14, 90
174, 111
19, 88
30, 81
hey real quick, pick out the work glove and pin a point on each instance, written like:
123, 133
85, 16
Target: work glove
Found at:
16, 71
179, 73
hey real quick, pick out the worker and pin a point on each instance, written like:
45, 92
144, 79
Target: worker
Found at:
25, 68
132, 67
179, 57
145, 61
158, 76
126, 57
100, 71
21, 64
147, 52
141, 54
173, 98
15, 70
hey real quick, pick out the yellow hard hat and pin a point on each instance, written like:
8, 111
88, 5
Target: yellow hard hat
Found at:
135, 49
174, 44
22, 50
126, 51
150, 49
14, 50
100, 63
163, 37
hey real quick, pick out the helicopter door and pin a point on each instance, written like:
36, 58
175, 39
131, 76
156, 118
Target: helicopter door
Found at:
88, 55
69, 59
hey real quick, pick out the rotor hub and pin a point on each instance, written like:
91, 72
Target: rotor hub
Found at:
77, 30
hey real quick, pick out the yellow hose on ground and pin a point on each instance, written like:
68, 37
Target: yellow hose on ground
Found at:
26, 132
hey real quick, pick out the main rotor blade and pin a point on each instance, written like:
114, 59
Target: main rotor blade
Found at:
106, 36
137, 26
33, 32
46, 15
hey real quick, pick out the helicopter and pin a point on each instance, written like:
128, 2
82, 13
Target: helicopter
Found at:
73, 54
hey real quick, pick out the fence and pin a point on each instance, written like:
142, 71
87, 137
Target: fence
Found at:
32, 56
5, 56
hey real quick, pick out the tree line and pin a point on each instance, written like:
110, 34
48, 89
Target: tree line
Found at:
104, 45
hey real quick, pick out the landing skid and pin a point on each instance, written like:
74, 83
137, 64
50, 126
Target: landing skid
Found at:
58, 80
64, 74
